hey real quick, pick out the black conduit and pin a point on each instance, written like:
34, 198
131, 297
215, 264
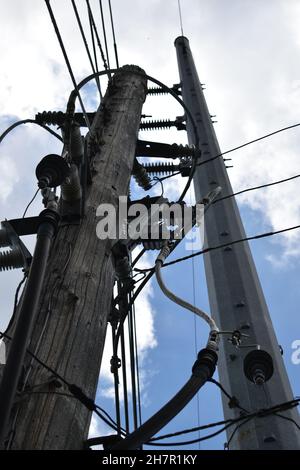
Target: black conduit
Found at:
203, 370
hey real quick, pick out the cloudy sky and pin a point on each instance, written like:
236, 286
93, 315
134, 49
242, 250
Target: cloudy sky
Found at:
247, 53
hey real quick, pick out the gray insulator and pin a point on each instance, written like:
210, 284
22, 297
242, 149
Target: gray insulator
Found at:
71, 188
4, 238
12, 259
76, 145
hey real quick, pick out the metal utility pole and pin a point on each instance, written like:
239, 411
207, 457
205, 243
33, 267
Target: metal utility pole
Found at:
236, 297
70, 329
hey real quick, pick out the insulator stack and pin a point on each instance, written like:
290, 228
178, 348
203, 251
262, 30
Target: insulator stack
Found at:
163, 124
12, 259
71, 188
141, 176
55, 118
183, 150
58, 118
162, 91
4, 238
164, 168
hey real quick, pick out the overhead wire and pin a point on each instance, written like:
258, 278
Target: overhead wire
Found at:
86, 45
67, 61
104, 32
282, 129
74, 389
30, 202
28, 121
94, 27
254, 188
223, 245
113, 33
273, 410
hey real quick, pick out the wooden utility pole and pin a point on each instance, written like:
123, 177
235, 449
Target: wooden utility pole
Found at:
70, 329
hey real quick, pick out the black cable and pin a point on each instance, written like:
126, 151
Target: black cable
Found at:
232, 400
137, 367
257, 414
104, 32
193, 441
97, 37
288, 419
29, 204
248, 143
113, 33
85, 43
93, 43
217, 247
226, 446
86, 80
255, 188
74, 389
58, 35
16, 301
29, 121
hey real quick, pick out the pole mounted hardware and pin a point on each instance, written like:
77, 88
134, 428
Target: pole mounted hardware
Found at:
52, 171
161, 91
179, 123
258, 366
146, 148
18, 256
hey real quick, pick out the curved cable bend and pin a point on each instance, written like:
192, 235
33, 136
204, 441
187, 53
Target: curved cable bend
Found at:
183, 303
29, 121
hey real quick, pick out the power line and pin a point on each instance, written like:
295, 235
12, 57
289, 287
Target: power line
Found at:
91, 16
255, 188
104, 32
257, 414
28, 121
113, 33
217, 247
86, 44
58, 35
29, 204
248, 143
74, 389
180, 17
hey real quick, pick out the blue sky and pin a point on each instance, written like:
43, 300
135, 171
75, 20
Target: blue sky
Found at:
247, 54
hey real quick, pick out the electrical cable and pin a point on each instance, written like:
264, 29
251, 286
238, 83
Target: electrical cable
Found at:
104, 32
248, 143
74, 389
29, 204
193, 441
257, 414
92, 33
58, 35
94, 27
203, 369
86, 80
29, 121
180, 18
232, 400
16, 301
227, 444
137, 366
255, 188
86, 44
164, 253
217, 247
113, 33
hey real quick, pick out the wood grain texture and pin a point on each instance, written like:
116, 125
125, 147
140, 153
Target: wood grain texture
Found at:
77, 293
